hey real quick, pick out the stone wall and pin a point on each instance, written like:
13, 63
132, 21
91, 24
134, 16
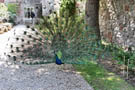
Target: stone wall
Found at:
49, 6
117, 21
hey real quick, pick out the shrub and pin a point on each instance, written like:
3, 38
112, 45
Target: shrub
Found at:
12, 8
124, 57
3, 11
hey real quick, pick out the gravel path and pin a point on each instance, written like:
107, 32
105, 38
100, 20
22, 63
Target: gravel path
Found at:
40, 77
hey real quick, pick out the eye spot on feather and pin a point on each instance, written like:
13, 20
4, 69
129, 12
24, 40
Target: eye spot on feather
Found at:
29, 36
17, 39
44, 7
28, 42
9, 56
44, 32
11, 46
48, 17
50, 11
22, 45
40, 39
24, 51
14, 58
55, 12
25, 33
21, 56
37, 33
28, 26
17, 49
12, 51
22, 40
33, 29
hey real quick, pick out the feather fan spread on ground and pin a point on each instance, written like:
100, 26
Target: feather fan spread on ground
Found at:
59, 32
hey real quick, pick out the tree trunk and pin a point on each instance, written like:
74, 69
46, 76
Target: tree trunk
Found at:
92, 16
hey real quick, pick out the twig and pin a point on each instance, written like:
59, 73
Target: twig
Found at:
127, 68
124, 67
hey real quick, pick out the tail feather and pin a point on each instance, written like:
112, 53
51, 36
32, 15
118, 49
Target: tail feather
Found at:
25, 42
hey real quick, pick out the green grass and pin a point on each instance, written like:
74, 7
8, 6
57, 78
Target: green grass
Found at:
12, 8
101, 79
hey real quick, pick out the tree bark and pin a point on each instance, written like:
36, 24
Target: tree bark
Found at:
92, 16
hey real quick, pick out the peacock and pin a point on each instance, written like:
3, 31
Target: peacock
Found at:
29, 45
58, 56
58, 38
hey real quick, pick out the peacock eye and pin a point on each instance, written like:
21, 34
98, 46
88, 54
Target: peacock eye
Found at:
44, 7
43, 32
21, 56
24, 51
48, 17
29, 36
28, 42
8, 55
28, 26
14, 57
50, 11
36, 33
17, 39
54, 12
12, 51
22, 45
33, 29
17, 49
22, 40
11, 46
25, 32
40, 39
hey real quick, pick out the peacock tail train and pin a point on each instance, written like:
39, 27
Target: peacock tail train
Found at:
23, 44
26, 44
58, 32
